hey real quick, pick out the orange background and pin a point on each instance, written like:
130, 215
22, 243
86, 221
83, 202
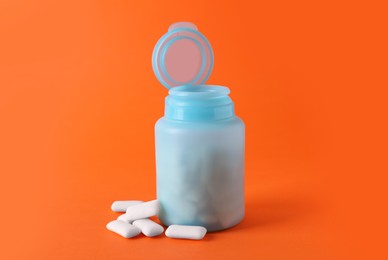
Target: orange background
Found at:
307, 77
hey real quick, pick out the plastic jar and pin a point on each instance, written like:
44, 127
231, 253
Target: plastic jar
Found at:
199, 141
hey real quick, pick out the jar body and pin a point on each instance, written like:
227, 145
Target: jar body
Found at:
200, 172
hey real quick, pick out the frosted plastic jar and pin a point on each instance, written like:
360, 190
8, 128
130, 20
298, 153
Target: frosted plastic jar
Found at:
199, 141
200, 159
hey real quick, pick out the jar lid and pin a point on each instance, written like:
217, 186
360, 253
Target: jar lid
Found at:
183, 56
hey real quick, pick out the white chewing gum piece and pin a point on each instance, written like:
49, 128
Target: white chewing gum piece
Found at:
122, 205
123, 229
143, 210
148, 227
186, 232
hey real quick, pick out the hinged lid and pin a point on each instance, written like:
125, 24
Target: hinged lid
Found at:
183, 56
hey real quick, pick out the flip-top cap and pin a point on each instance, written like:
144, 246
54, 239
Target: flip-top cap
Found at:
183, 56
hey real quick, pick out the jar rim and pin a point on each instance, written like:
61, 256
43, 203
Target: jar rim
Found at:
204, 91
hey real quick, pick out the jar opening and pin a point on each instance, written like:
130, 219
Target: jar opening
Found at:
200, 91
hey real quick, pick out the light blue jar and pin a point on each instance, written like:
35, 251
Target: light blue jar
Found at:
199, 141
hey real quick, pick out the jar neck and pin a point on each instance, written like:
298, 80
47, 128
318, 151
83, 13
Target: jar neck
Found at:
199, 103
